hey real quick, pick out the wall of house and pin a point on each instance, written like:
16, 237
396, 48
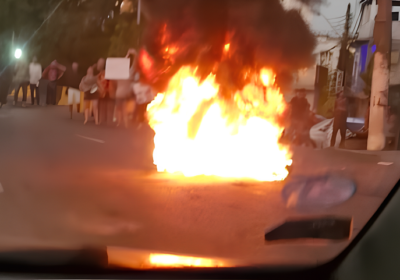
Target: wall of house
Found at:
331, 45
396, 29
395, 65
364, 53
305, 78
366, 42
368, 21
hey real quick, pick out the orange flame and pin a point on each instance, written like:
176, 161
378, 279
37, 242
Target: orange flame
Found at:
267, 77
199, 133
226, 47
166, 260
146, 61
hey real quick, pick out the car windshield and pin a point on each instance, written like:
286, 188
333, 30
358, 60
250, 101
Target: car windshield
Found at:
196, 133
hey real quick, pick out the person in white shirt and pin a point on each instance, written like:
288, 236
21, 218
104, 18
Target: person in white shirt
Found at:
35, 74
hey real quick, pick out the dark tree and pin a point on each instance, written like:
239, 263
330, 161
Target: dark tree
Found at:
18, 20
74, 32
127, 32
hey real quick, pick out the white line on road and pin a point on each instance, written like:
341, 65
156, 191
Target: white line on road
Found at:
92, 139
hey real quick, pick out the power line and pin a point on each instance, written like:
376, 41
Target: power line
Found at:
335, 20
337, 23
330, 25
359, 18
338, 17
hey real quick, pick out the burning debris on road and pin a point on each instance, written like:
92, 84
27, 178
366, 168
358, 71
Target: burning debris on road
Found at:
219, 67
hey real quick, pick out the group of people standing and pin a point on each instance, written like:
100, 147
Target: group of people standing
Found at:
97, 90
22, 76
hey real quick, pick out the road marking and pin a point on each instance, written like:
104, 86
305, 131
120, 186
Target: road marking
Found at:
1, 188
92, 139
385, 163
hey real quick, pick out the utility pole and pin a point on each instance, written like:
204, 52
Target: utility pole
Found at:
139, 11
343, 56
380, 77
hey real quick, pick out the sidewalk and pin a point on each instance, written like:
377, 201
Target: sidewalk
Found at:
361, 144
356, 144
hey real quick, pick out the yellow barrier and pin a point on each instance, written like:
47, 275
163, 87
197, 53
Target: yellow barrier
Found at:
20, 94
63, 100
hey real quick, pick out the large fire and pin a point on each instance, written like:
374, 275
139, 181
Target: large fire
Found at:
198, 132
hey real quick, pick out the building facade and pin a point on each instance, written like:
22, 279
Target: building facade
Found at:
364, 48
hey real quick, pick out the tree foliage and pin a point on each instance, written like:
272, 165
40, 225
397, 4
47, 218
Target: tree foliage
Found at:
74, 32
67, 30
18, 19
127, 32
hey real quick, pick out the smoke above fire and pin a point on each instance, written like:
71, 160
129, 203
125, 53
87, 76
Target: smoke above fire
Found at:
260, 33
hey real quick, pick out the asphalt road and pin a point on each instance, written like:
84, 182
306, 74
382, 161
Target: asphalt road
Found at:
68, 185
64, 183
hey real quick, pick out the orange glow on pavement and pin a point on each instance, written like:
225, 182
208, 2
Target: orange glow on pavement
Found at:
166, 260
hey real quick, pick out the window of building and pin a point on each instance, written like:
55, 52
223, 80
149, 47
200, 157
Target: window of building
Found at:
395, 16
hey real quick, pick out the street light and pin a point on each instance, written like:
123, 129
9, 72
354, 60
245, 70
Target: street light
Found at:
18, 53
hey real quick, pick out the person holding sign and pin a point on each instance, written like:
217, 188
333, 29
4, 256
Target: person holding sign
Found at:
121, 72
89, 86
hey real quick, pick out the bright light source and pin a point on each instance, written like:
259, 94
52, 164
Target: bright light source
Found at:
116, 3
18, 53
167, 260
227, 46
